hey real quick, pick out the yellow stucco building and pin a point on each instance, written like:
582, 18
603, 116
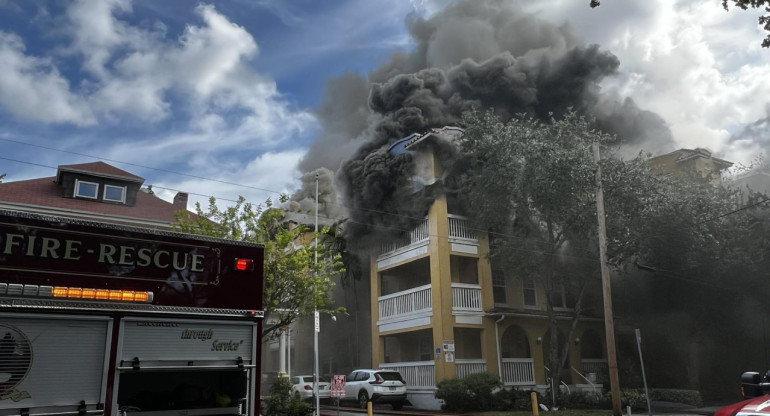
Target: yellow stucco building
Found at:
441, 310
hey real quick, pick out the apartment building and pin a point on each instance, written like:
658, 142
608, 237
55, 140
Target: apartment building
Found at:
441, 310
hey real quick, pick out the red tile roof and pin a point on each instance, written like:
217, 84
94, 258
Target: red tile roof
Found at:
44, 193
101, 168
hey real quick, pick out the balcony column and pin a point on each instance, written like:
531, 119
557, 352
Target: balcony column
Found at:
488, 342
441, 282
378, 344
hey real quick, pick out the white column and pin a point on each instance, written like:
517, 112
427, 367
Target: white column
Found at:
282, 353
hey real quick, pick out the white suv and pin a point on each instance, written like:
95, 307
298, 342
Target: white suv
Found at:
377, 386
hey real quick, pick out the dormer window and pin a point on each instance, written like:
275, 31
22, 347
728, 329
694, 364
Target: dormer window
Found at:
85, 189
114, 193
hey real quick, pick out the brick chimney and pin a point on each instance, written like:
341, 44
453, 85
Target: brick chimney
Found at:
180, 200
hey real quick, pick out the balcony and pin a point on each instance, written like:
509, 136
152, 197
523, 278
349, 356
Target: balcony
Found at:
596, 366
465, 367
407, 303
417, 374
518, 372
466, 298
462, 237
406, 246
414, 307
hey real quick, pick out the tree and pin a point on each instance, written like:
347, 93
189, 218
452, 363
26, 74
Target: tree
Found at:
294, 284
764, 21
2, 176
531, 183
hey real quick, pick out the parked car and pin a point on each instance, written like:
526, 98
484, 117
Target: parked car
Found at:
302, 386
377, 386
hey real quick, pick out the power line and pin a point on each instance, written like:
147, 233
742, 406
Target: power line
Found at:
391, 228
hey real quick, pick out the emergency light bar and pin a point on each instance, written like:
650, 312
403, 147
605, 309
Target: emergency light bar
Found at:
16, 289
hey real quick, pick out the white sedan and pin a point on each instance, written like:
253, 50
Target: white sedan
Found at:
302, 386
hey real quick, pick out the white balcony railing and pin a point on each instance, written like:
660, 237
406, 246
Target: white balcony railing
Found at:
416, 235
466, 297
460, 228
594, 365
518, 371
466, 367
416, 373
408, 302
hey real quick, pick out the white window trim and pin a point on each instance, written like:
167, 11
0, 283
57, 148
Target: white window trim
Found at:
523, 296
122, 195
77, 189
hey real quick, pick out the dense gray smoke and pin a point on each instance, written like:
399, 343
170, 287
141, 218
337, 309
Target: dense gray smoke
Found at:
756, 132
473, 55
301, 206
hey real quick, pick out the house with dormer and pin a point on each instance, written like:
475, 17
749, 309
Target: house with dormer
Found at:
94, 191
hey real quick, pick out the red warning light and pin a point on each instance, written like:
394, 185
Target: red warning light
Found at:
244, 265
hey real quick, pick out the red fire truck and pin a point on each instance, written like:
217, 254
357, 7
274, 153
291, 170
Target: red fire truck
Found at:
107, 319
755, 388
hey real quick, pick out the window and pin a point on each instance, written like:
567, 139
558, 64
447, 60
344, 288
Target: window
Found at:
498, 286
86, 189
115, 193
530, 291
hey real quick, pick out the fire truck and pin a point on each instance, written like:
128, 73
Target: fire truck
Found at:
104, 319
754, 388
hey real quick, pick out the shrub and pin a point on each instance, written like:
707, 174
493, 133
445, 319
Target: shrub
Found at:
586, 400
476, 392
281, 402
691, 397
481, 387
513, 399
454, 394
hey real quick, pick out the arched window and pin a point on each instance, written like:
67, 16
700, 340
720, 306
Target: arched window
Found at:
591, 345
514, 343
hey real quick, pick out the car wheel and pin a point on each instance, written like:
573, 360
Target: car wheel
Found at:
397, 406
363, 398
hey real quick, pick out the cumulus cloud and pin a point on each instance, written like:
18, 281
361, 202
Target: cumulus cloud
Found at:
32, 88
265, 176
699, 67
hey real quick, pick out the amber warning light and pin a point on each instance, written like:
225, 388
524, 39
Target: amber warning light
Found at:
102, 294
244, 265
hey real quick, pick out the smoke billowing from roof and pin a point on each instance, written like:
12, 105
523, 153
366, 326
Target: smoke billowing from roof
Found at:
473, 55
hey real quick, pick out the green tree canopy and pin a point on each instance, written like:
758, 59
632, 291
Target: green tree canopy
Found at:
295, 284
532, 184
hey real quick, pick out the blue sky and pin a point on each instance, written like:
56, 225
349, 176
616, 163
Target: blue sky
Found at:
227, 90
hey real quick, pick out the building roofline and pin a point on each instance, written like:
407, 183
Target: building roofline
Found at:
74, 169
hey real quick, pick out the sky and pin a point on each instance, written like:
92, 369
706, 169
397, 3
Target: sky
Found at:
222, 98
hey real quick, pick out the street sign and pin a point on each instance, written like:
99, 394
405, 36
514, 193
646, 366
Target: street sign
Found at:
317, 321
338, 386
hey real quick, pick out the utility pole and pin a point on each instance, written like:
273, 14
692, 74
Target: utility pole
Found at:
609, 328
316, 317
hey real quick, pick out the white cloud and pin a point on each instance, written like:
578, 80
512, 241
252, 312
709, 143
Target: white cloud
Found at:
266, 176
699, 67
33, 89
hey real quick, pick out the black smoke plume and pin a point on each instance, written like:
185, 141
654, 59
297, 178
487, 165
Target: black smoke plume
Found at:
473, 55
